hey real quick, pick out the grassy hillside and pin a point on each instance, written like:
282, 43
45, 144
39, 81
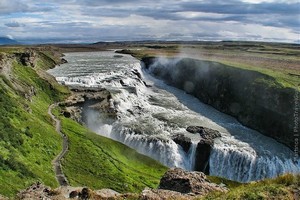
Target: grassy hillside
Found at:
29, 142
283, 187
98, 162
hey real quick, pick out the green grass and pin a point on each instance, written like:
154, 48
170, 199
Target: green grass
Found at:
29, 142
283, 78
278, 58
98, 162
279, 188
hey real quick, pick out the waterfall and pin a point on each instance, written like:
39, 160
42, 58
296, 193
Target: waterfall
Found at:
164, 150
148, 117
191, 156
244, 166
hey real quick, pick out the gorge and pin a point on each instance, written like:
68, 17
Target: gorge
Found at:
148, 115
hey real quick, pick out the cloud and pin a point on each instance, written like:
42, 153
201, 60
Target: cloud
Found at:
13, 24
92, 20
10, 37
26, 6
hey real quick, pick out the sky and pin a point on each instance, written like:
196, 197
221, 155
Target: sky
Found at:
86, 21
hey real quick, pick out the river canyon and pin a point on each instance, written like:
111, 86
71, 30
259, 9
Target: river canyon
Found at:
150, 113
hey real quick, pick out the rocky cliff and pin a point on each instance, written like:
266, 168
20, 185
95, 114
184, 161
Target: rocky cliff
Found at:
255, 99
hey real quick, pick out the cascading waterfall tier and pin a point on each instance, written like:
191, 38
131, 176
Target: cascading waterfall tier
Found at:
148, 117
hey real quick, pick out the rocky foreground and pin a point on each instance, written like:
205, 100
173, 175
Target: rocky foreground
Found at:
175, 184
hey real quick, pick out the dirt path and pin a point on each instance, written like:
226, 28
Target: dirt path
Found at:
60, 176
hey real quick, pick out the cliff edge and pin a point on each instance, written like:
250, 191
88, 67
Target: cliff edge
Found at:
255, 99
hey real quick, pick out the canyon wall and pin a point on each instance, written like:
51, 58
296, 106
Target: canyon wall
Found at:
257, 100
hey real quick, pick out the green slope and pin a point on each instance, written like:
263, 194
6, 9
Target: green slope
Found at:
29, 142
98, 162
283, 187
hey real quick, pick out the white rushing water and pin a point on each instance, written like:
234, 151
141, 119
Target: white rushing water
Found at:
149, 116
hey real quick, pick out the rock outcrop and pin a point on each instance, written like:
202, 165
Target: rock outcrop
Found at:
175, 184
205, 133
202, 155
39, 191
27, 58
183, 141
255, 99
98, 99
204, 146
193, 183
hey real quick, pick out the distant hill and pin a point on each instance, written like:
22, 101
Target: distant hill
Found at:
7, 41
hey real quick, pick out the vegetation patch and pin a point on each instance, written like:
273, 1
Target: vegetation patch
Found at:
282, 187
99, 162
29, 141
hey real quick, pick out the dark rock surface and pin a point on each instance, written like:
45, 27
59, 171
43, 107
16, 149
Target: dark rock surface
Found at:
204, 146
183, 141
98, 99
63, 61
255, 99
37, 191
27, 58
205, 133
194, 129
73, 194
85, 194
202, 155
179, 180
137, 73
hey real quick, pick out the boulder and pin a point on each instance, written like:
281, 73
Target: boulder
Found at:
85, 194
73, 194
185, 182
183, 141
206, 133
62, 61
209, 134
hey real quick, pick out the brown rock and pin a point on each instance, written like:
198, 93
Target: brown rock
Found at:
179, 180
183, 141
85, 194
73, 194
158, 194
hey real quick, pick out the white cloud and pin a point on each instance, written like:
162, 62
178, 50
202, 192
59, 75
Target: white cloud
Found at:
270, 1
124, 20
10, 37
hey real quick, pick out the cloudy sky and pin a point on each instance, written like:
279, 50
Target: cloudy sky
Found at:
111, 20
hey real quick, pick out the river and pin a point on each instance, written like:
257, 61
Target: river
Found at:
151, 112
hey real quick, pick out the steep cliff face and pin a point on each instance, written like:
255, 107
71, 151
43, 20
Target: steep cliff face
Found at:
255, 99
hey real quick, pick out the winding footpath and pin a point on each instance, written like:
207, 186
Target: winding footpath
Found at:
60, 176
